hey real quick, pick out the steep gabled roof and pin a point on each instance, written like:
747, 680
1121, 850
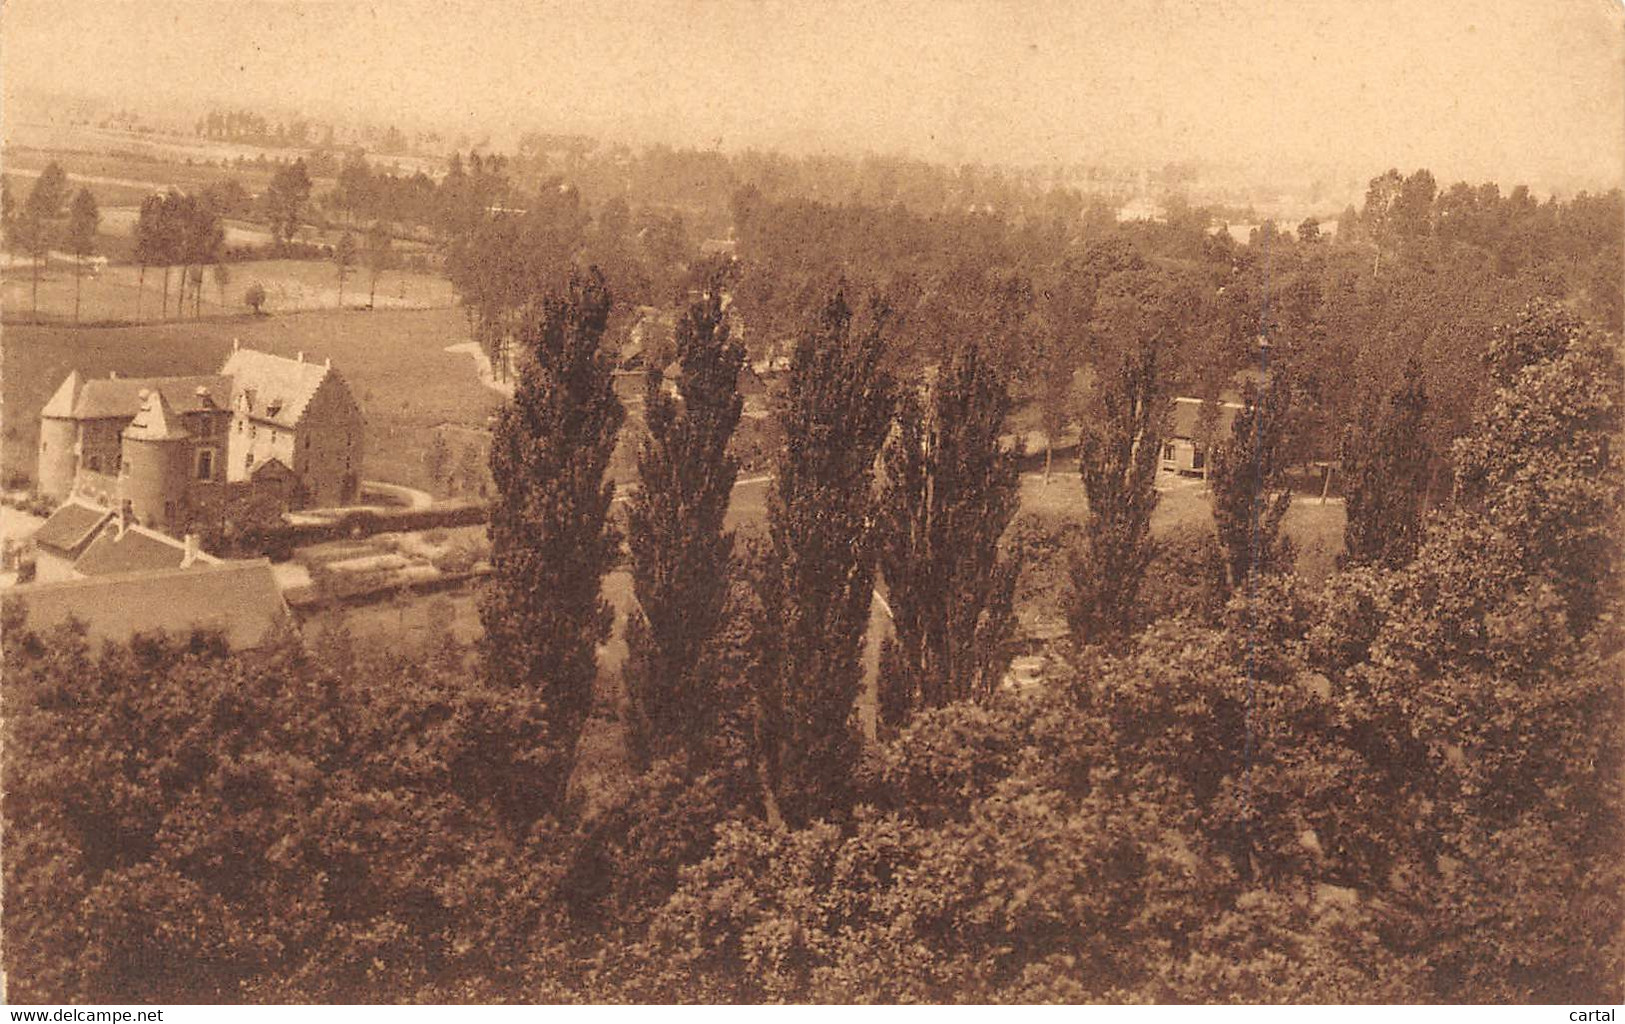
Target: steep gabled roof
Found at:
239, 598
272, 388
120, 397
157, 420
71, 527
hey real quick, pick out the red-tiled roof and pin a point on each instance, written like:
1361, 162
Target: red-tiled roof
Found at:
70, 527
239, 598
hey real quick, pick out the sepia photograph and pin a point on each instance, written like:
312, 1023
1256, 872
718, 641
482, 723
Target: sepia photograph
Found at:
769, 502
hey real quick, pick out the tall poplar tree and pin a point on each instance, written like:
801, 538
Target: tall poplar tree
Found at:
680, 552
36, 226
950, 492
148, 245
1385, 478
83, 219
343, 259
551, 537
816, 584
1250, 496
1118, 458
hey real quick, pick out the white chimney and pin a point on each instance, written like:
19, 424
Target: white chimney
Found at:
234, 344
191, 550
123, 521
328, 362
112, 375
301, 357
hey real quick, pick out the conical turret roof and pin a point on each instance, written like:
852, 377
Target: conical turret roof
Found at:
156, 421
62, 403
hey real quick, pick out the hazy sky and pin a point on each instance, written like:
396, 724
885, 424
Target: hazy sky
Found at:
1531, 89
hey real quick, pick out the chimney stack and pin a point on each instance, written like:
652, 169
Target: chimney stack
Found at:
112, 375
191, 550
234, 344
301, 356
123, 519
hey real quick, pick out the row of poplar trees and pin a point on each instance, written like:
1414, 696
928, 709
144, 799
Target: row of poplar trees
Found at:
747, 657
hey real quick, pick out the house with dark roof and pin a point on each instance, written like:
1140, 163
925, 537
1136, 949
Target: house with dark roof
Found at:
63, 537
240, 599
1185, 445
80, 540
124, 547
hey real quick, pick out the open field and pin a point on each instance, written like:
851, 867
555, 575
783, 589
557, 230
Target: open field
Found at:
1316, 528
119, 294
394, 361
37, 141
121, 180
132, 165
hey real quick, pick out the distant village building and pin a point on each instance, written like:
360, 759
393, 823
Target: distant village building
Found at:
1142, 208
1185, 449
170, 451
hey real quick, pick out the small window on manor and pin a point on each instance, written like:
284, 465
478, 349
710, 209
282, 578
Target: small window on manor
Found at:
1168, 452
248, 461
205, 464
94, 463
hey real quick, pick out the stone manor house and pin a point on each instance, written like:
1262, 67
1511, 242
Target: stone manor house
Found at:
168, 451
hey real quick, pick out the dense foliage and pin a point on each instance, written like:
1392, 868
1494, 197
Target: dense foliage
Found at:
1401, 784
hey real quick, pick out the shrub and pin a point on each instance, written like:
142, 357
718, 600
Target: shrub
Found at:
1186, 577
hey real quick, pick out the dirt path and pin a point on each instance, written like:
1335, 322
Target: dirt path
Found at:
483, 363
